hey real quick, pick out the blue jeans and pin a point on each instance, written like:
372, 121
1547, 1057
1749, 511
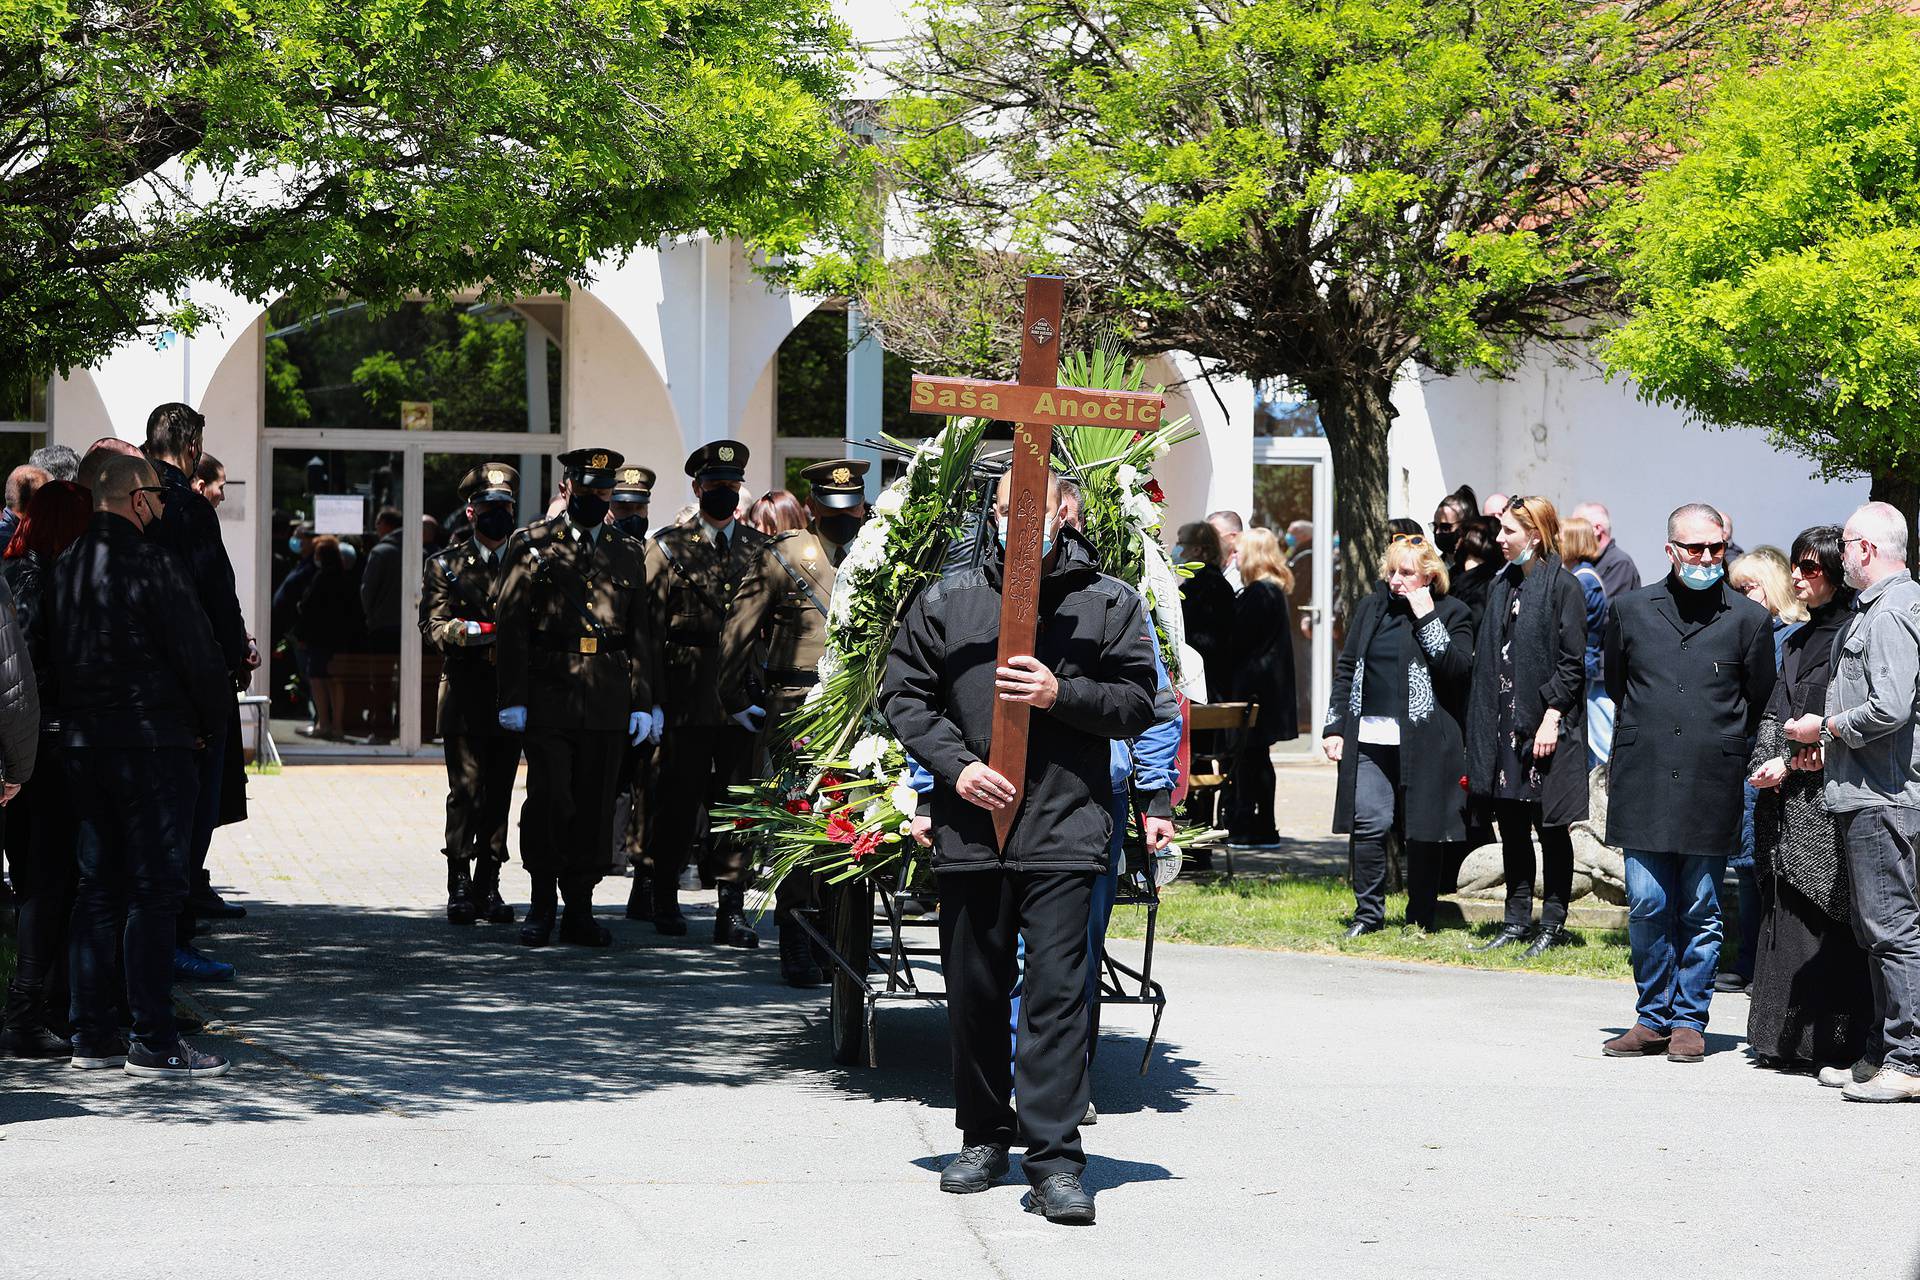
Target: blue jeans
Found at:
1673, 925
1105, 889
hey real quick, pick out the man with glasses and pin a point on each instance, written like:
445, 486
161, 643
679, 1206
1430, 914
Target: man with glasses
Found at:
1872, 763
1689, 664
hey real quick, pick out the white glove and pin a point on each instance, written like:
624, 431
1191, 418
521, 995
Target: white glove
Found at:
639, 727
750, 718
513, 719
659, 723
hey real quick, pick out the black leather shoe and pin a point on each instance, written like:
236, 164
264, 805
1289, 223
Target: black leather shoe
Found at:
797, 968
211, 906
33, 1041
488, 905
975, 1169
459, 893
730, 926
1062, 1199
1547, 938
1359, 928
1508, 935
538, 929
640, 898
671, 925
582, 930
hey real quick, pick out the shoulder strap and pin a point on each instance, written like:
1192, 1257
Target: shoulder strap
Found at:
673, 562
799, 579
543, 572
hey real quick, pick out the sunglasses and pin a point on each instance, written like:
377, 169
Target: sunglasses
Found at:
1515, 504
1411, 539
1701, 548
1808, 568
148, 488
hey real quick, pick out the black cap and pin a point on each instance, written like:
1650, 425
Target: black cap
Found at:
838, 482
721, 460
593, 468
489, 482
633, 484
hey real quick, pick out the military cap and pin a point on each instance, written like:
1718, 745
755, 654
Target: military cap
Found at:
593, 468
838, 482
633, 484
721, 460
489, 482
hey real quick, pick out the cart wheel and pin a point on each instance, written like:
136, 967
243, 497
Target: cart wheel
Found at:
853, 940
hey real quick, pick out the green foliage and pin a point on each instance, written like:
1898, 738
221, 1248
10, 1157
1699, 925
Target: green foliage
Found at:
1773, 270
391, 148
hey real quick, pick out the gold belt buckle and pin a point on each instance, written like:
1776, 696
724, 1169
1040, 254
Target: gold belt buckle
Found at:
588, 644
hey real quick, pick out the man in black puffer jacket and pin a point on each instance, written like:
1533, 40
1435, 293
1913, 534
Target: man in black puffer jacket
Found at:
1091, 680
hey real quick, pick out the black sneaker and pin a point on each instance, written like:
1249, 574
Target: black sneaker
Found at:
1062, 1199
97, 1055
975, 1169
180, 1061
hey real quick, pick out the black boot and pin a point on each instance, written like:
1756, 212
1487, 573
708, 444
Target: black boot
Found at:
577, 925
640, 897
538, 929
729, 919
459, 891
488, 905
1550, 936
24, 1033
667, 918
1509, 935
797, 968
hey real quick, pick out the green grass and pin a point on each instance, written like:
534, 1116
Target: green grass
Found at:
1289, 913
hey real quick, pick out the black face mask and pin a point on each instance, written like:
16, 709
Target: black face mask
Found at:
719, 504
634, 526
495, 521
586, 509
840, 528
1444, 540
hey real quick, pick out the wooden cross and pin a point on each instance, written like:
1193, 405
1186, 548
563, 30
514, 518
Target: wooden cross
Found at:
1036, 404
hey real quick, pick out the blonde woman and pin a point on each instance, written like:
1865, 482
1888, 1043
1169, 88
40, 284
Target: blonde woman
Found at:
1399, 696
1263, 674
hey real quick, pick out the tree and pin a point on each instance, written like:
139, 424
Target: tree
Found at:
1774, 271
313, 149
1304, 191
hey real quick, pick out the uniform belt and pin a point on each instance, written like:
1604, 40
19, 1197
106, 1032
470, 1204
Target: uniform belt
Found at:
581, 644
793, 679
693, 640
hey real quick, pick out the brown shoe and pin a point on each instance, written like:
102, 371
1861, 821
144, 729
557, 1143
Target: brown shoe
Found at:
1686, 1045
1640, 1041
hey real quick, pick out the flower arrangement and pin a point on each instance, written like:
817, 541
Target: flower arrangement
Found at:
839, 801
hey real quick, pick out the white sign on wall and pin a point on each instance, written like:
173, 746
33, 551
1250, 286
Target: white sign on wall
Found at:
339, 513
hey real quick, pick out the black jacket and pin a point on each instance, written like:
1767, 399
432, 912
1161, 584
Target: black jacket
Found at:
1690, 673
191, 529
1549, 670
328, 618
134, 665
1206, 611
939, 697
1263, 662
461, 585
1432, 697
27, 578
19, 696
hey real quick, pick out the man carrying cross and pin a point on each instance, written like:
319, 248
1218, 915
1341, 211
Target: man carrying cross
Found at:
1088, 679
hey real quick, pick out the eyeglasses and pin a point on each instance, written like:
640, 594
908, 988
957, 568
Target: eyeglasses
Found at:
149, 488
1411, 539
1845, 541
1808, 568
1701, 548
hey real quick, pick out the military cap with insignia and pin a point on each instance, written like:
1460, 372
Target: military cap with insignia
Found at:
593, 468
489, 482
721, 460
838, 483
633, 484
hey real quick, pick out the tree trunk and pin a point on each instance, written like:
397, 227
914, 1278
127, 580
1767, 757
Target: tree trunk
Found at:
1901, 487
1357, 416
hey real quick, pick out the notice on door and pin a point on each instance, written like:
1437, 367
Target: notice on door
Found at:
339, 513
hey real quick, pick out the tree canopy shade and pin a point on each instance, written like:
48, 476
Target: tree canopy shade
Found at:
1774, 271
1304, 190
313, 149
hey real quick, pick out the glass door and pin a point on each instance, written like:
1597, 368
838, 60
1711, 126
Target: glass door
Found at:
1293, 496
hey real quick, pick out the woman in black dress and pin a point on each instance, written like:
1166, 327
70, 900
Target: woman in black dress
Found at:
1206, 606
1526, 729
1812, 999
1263, 674
1393, 725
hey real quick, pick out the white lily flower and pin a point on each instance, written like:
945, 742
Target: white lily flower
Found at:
904, 798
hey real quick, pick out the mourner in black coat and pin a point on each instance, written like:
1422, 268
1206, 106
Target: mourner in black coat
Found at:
1526, 727
1263, 674
1394, 726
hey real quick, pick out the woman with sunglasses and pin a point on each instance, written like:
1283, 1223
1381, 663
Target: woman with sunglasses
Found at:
1526, 721
1393, 725
1812, 1002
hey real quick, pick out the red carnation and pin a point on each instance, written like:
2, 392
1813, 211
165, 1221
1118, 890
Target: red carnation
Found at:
799, 805
832, 782
1154, 491
841, 831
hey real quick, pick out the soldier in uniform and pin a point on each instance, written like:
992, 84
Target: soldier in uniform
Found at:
713, 585
577, 675
836, 508
457, 597
632, 498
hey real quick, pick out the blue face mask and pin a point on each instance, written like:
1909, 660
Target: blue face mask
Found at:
1524, 556
1699, 576
293, 545
1046, 538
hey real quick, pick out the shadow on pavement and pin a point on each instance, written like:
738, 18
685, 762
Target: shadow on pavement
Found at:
1102, 1173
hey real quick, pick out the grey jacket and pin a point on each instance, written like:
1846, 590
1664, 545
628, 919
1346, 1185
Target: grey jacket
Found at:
1871, 757
19, 696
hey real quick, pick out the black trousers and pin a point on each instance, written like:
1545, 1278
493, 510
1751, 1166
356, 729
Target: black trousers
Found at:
135, 859
480, 770
983, 914
1377, 813
1517, 820
699, 763
566, 826
43, 830
1253, 792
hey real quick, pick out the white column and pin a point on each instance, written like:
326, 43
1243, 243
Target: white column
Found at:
716, 320
533, 498
866, 385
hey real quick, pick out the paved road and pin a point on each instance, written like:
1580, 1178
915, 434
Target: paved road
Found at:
415, 1096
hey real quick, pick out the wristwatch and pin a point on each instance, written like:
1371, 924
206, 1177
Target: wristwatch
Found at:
1826, 730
